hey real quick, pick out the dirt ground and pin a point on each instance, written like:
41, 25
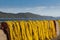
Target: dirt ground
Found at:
2, 35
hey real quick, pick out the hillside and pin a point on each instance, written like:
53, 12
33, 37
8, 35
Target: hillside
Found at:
18, 16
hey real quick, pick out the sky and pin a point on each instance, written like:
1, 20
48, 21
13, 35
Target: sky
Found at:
40, 7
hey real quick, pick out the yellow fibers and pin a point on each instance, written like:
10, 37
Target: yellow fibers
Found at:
31, 30
52, 29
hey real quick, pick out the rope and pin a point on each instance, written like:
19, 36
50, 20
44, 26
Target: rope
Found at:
31, 30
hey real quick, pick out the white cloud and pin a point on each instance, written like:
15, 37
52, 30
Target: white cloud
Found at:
48, 11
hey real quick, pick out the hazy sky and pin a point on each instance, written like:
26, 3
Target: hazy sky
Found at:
41, 7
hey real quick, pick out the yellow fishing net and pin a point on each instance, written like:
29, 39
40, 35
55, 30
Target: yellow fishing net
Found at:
31, 30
